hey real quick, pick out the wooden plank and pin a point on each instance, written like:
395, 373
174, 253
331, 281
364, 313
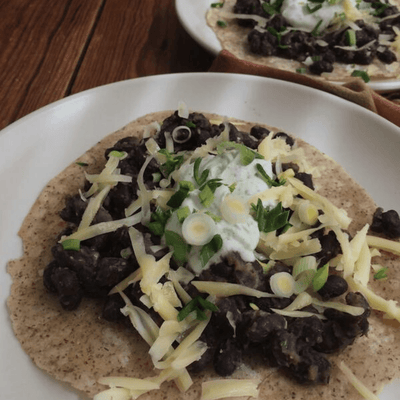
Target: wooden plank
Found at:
41, 43
138, 38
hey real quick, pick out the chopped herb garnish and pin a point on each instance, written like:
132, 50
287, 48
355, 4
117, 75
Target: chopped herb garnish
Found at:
381, 274
380, 10
270, 220
181, 248
267, 179
217, 5
315, 31
159, 219
82, 164
182, 213
206, 196
222, 24
209, 249
179, 196
278, 35
312, 10
117, 154
172, 163
351, 37
71, 244
190, 124
194, 305
200, 179
213, 184
362, 74
320, 277
232, 187
301, 70
316, 58
272, 9
216, 218
156, 177
246, 155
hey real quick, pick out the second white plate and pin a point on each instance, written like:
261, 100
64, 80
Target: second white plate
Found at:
192, 15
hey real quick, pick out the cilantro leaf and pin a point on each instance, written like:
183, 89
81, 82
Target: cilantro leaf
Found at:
159, 219
209, 249
270, 220
200, 179
181, 248
267, 179
172, 163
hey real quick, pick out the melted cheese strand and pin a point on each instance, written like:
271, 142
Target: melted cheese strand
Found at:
225, 289
92, 208
376, 302
358, 385
384, 244
104, 227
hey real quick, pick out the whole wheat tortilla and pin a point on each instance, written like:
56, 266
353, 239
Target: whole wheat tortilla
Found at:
79, 347
234, 39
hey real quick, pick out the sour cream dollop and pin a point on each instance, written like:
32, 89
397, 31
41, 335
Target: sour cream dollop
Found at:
299, 16
241, 235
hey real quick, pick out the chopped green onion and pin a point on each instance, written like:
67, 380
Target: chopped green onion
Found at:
246, 155
316, 58
301, 70
381, 274
380, 10
320, 277
312, 10
182, 213
209, 249
213, 184
159, 219
200, 179
156, 177
117, 154
71, 244
361, 74
194, 305
282, 284
222, 24
315, 31
198, 229
232, 187
178, 197
266, 178
274, 8
172, 162
270, 220
206, 196
351, 37
190, 124
217, 5
82, 164
216, 218
181, 248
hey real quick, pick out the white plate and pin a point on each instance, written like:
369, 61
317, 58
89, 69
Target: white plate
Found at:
191, 14
37, 147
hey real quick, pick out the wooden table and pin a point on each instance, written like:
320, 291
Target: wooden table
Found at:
50, 49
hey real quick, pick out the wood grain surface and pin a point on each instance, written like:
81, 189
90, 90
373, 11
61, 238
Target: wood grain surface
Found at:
51, 49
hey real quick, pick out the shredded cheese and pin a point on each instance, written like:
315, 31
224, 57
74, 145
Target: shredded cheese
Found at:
225, 289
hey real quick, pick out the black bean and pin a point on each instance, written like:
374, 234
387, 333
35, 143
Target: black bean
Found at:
227, 358
387, 223
263, 324
334, 286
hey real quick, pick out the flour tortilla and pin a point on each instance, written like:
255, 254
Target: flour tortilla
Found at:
234, 39
79, 347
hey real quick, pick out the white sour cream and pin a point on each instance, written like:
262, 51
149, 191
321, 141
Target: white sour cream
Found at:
241, 237
297, 14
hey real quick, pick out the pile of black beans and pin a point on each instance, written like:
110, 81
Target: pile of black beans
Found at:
298, 346
298, 45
